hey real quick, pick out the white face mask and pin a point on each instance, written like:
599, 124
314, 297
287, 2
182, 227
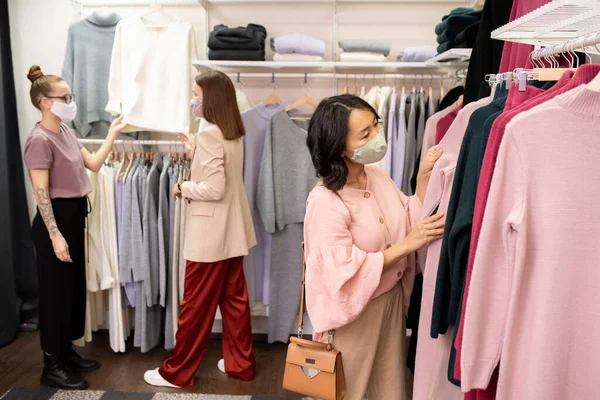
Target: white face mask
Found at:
66, 112
372, 152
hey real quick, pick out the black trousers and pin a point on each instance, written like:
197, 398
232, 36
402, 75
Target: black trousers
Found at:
62, 286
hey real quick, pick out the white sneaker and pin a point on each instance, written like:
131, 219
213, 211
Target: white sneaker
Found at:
152, 377
221, 365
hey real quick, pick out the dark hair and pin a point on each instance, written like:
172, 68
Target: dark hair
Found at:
219, 104
327, 133
41, 85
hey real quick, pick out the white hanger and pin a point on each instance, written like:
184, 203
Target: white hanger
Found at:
104, 9
156, 8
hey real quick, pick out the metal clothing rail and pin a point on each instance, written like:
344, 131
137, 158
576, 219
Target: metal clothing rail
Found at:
336, 76
127, 143
582, 43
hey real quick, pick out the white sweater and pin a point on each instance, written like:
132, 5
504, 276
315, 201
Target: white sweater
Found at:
150, 80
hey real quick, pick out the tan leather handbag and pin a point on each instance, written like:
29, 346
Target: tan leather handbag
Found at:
312, 368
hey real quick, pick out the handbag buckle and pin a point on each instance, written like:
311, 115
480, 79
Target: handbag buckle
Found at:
300, 332
330, 337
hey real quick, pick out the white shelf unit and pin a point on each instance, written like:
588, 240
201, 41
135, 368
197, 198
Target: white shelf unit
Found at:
208, 2
329, 66
454, 56
556, 22
119, 3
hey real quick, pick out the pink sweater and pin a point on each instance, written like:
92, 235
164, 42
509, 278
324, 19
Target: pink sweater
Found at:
430, 129
535, 288
344, 241
431, 365
567, 82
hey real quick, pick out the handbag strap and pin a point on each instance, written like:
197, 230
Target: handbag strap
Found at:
302, 295
303, 304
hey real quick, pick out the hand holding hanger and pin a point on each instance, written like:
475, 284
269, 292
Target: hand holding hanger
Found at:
116, 127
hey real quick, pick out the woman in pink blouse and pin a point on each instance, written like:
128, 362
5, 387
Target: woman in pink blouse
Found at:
361, 234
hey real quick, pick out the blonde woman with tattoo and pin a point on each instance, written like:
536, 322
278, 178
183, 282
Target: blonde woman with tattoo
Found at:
56, 163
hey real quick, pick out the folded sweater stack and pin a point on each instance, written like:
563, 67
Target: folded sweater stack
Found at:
364, 50
458, 29
237, 44
297, 47
417, 54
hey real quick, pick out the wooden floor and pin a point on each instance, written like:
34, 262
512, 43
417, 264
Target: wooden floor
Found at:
21, 366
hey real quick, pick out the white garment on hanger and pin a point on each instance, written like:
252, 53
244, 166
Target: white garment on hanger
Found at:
242, 100
109, 242
149, 81
383, 111
372, 97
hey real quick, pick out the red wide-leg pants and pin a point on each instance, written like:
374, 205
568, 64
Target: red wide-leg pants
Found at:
208, 285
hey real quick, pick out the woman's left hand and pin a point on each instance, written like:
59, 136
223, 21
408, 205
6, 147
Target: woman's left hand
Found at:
433, 154
176, 192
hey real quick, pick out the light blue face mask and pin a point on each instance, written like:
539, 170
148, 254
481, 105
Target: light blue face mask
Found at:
372, 152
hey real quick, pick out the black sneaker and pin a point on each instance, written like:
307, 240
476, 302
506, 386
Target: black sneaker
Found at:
57, 375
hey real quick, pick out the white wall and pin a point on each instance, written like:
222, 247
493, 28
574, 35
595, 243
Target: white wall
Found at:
39, 32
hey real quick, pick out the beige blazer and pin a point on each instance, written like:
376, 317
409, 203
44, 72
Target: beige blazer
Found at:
219, 223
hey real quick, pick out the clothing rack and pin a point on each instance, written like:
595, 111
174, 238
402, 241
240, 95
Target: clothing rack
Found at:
337, 76
568, 46
133, 145
132, 142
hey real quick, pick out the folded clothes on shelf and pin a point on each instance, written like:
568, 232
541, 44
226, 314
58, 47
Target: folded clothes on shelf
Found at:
296, 57
237, 44
236, 55
464, 40
417, 54
365, 46
456, 22
299, 43
362, 56
251, 37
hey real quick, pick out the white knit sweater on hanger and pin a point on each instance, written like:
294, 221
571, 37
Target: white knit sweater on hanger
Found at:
150, 80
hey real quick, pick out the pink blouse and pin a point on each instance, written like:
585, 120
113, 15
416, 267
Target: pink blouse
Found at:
345, 235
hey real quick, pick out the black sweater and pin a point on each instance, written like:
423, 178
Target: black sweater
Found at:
487, 52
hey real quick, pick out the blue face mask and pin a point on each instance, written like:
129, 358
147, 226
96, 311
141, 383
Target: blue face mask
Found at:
197, 108
371, 152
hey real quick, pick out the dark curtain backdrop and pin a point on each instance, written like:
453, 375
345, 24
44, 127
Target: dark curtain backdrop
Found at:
18, 275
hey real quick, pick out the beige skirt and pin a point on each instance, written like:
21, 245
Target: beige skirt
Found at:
373, 350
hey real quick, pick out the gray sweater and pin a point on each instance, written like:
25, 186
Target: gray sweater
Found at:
163, 228
150, 229
286, 174
285, 179
86, 66
411, 146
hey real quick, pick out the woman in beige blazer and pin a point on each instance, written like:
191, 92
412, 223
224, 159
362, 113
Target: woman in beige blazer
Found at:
218, 234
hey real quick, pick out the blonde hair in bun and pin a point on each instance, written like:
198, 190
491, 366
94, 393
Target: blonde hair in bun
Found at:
41, 84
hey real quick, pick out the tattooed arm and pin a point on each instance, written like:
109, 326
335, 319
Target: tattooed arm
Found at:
40, 179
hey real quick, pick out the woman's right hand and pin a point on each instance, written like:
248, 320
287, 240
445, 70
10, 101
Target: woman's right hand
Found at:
189, 141
61, 248
425, 232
